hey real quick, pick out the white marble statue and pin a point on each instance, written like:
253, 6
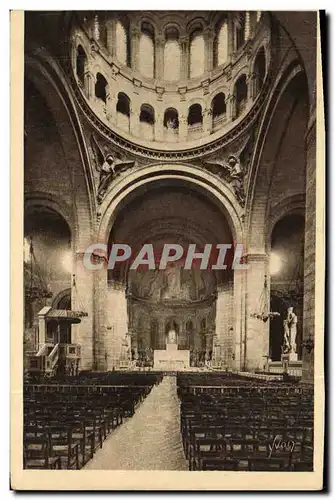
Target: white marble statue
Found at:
290, 331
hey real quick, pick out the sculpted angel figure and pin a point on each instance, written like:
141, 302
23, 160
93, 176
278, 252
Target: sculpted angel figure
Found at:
108, 167
232, 170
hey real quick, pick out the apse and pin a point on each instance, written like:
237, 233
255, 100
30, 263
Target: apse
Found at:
171, 213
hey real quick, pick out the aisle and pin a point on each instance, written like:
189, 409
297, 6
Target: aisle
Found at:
150, 440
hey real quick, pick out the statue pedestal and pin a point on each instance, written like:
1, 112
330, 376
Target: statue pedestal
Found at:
289, 357
170, 359
290, 364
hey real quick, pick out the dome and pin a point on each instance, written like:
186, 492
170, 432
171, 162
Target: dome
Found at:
170, 80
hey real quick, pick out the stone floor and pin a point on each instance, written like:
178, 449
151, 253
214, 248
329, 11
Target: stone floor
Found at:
150, 440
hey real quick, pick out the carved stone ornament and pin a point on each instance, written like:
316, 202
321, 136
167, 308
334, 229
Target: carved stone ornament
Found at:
108, 166
230, 171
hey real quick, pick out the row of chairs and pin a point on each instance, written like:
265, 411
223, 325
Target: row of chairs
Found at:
63, 430
267, 430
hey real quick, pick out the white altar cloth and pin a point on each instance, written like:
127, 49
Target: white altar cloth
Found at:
171, 358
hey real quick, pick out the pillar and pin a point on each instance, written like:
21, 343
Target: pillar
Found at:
224, 321
256, 342
238, 336
41, 330
230, 34
135, 34
159, 127
207, 121
89, 85
183, 127
311, 229
134, 124
231, 107
100, 290
159, 56
111, 38
82, 300
209, 42
116, 319
185, 55
247, 31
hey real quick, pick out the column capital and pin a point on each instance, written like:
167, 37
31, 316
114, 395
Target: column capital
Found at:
135, 31
209, 33
183, 40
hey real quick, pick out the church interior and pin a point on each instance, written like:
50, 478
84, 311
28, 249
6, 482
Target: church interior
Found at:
169, 127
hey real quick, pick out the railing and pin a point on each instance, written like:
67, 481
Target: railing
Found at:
48, 355
73, 351
43, 349
218, 122
52, 359
171, 134
195, 131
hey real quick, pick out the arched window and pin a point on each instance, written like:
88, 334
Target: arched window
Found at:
171, 124
241, 93
259, 70
194, 115
240, 30
101, 87
171, 120
81, 61
221, 43
147, 51
123, 111
197, 54
122, 44
218, 109
147, 114
147, 121
171, 55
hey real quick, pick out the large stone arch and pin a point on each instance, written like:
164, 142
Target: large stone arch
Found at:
44, 73
79, 206
277, 114
119, 195
196, 178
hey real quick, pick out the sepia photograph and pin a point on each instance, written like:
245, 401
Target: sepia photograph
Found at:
171, 217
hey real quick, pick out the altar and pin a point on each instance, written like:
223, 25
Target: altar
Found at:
171, 358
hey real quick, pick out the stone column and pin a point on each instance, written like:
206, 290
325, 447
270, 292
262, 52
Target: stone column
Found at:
256, 345
207, 121
247, 31
159, 127
230, 34
82, 300
224, 321
99, 325
231, 107
41, 330
309, 314
111, 38
238, 336
159, 56
135, 34
185, 56
209, 44
134, 124
183, 127
116, 323
89, 85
